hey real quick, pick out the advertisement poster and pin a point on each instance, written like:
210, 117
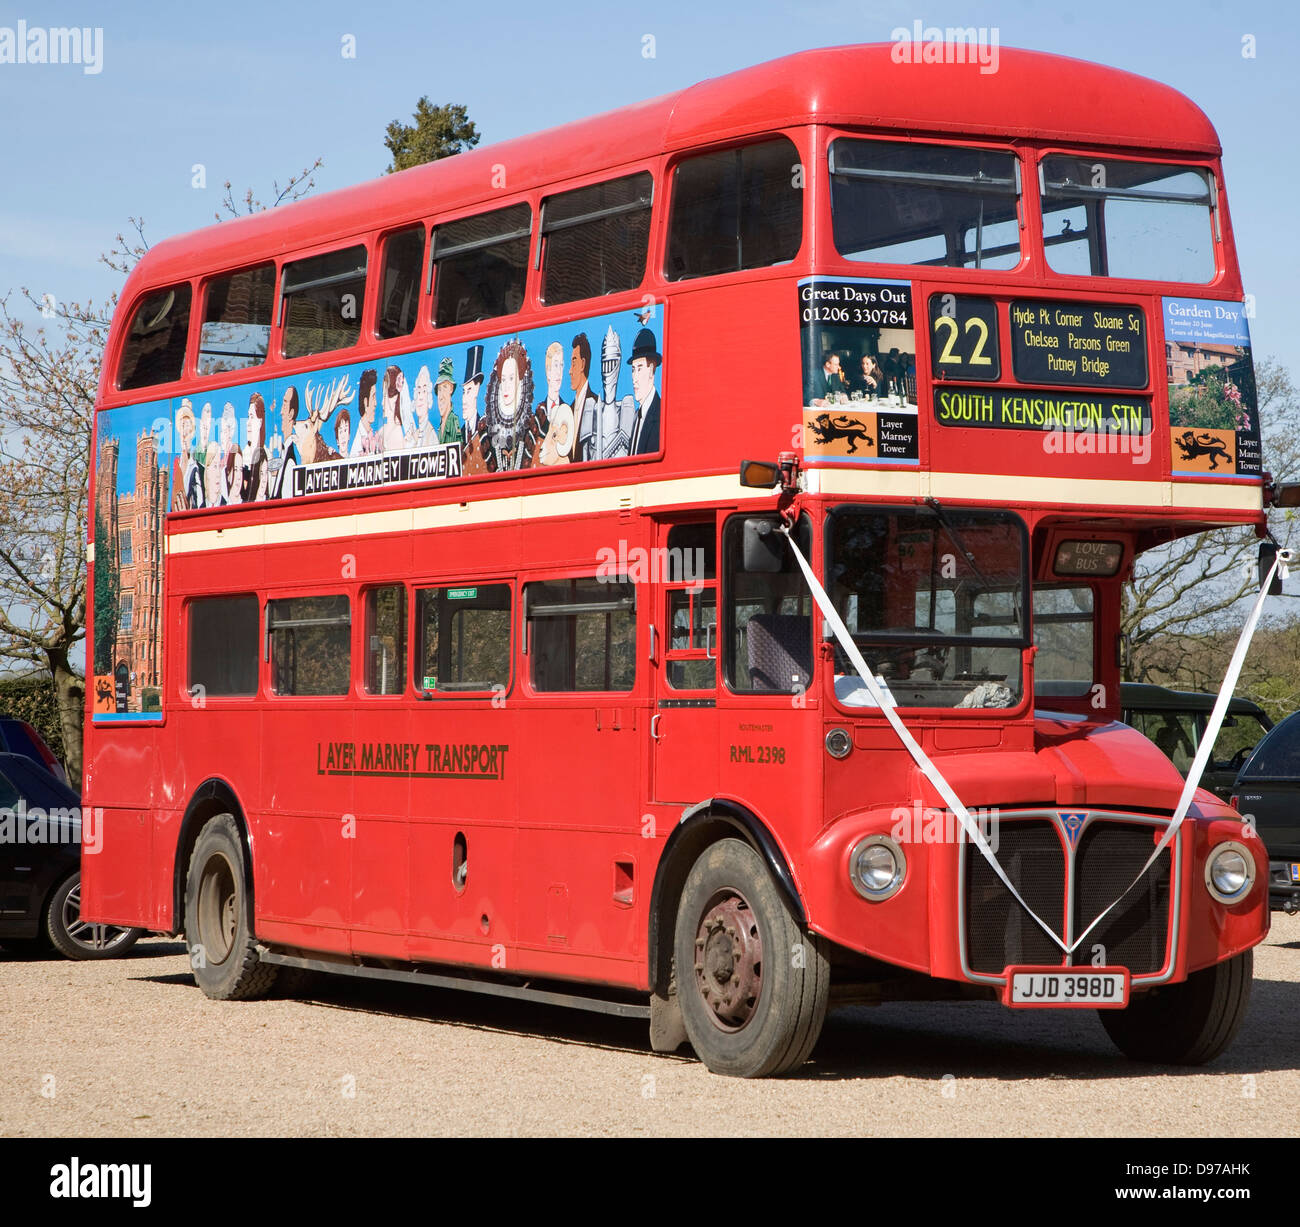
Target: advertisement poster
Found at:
132, 485
1213, 411
859, 371
581, 392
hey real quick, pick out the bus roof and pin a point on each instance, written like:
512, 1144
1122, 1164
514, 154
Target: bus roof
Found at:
1030, 95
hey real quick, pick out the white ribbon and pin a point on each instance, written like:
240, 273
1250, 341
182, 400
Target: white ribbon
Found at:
945, 790
1211, 735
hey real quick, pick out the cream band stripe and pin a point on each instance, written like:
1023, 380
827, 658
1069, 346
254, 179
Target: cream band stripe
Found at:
999, 488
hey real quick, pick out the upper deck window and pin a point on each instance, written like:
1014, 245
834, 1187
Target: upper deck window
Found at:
155, 343
321, 299
481, 265
237, 320
735, 209
903, 203
1148, 221
595, 238
399, 291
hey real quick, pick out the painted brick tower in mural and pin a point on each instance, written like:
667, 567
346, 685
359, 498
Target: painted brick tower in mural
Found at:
135, 522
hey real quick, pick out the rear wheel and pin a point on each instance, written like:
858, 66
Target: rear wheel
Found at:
752, 986
218, 918
1188, 1023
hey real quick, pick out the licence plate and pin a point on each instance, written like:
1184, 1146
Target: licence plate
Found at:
1063, 987
1295, 871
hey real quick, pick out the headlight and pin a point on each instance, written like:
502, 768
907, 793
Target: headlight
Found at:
877, 867
1230, 872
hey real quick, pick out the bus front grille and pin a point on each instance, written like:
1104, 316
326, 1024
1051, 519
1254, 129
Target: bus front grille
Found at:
999, 931
1135, 933
1056, 879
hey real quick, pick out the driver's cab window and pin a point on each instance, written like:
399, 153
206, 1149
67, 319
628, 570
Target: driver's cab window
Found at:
768, 617
935, 601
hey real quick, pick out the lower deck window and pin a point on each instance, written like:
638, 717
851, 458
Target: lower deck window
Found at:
464, 638
223, 645
385, 653
581, 634
311, 645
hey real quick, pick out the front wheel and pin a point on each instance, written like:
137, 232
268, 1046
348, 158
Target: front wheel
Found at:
752, 986
1188, 1023
79, 939
218, 921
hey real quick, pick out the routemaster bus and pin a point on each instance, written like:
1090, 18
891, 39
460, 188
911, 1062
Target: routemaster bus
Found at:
670, 565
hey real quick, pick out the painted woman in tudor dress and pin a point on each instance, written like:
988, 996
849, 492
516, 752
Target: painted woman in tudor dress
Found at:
509, 395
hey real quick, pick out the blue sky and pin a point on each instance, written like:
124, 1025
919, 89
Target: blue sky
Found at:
255, 91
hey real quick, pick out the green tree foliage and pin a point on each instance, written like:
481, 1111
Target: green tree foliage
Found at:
438, 132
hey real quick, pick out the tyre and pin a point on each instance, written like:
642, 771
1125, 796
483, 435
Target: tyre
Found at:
77, 938
218, 920
1188, 1023
752, 986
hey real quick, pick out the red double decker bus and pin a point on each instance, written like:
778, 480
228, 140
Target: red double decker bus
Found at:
671, 564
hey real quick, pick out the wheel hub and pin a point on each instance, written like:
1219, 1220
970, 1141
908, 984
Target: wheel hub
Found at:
729, 960
218, 909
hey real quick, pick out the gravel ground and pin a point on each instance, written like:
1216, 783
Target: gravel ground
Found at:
132, 1048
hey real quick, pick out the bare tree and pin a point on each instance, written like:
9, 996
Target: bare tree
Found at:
47, 397
49, 376
1185, 596
295, 189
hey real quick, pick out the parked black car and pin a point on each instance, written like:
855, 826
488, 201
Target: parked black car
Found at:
1268, 789
40, 867
19, 737
1175, 721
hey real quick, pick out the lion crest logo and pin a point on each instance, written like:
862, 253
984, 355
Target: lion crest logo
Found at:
1193, 446
827, 428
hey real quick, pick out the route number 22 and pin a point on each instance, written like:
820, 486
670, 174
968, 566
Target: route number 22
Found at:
964, 338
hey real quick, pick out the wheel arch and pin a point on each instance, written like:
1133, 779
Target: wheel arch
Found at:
214, 796
701, 825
